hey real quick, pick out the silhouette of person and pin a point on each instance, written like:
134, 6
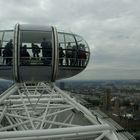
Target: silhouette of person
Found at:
7, 53
35, 50
24, 55
81, 55
46, 51
61, 55
69, 54
74, 55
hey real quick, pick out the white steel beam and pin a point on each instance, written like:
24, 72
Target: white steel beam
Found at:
27, 112
61, 131
78, 106
47, 112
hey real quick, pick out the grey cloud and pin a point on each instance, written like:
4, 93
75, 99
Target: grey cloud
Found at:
110, 27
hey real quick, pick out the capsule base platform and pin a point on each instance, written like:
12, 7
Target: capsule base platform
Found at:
42, 111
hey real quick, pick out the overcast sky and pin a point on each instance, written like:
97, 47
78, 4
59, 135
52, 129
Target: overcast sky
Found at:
111, 28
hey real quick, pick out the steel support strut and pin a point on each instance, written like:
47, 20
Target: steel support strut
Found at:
42, 111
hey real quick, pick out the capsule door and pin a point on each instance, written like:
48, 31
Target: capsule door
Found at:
6, 54
35, 52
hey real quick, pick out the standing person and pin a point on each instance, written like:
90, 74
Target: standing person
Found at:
61, 55
7, 53
74, 55
35, 50
81, 55
69, 54
24, 55
46, 51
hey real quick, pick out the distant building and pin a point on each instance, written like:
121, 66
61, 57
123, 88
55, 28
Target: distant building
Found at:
107, 99
117, 106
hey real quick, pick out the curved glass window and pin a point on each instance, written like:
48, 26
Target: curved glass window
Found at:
35, 48
82, 51
67, 43
73, 50
6, 48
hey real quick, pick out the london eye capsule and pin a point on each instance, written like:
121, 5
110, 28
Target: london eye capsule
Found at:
41, 53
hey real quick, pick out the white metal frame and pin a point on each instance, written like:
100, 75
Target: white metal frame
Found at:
47, 112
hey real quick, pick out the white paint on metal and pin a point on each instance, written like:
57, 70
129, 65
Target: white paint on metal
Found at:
43, 111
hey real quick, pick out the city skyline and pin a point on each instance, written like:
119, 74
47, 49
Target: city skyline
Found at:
111, 29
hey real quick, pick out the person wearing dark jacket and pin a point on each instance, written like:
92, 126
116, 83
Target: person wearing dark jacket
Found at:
35, 50
61, 55
7, 53
24, 55
46, 51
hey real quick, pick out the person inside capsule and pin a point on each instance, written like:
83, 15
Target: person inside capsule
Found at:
7, 53
39, 46
81, 55
61, 55
74, 56
69, 54
35, 50
24, 55
46, 51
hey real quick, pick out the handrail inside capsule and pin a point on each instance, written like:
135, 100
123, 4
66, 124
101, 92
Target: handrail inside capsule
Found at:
29, 50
